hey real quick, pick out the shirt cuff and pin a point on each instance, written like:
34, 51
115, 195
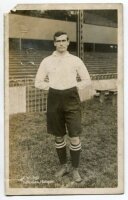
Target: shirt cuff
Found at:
42, 85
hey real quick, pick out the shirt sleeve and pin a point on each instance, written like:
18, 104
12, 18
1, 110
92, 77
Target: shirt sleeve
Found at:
84, 75
40, 81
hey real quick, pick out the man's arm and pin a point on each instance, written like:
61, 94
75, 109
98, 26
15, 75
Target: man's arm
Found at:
40, 77
84, 75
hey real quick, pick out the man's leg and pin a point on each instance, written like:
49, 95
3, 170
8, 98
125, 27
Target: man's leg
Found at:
60, 145
75, 148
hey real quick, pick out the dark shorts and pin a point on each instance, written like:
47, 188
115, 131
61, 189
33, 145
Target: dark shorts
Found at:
64, 112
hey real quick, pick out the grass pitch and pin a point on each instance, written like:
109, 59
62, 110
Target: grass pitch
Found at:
32, 156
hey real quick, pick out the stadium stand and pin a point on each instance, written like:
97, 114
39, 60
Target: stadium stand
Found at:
92, 18
23, 64
101, 63
28, 48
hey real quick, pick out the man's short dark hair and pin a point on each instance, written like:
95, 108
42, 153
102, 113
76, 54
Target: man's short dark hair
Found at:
59, 33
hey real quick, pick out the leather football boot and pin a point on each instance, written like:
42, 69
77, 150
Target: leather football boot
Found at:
63, 171
76, 176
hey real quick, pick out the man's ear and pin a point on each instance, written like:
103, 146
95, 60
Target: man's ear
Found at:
68, 42
54, 44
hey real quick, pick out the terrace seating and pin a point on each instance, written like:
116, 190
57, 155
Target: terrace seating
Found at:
101, 63
24, 64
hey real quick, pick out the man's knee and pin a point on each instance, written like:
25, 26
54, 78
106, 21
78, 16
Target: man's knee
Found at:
60, 142
59, 139
75, 144
74, 140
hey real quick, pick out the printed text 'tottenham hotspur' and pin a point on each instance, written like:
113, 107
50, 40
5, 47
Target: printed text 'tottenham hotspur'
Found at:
34, 180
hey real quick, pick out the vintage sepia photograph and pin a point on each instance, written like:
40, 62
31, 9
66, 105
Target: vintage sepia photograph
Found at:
64, 99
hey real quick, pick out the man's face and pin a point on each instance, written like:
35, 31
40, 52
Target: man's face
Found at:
61, 43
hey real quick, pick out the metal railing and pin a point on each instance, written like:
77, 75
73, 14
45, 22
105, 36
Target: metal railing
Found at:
36, 99
103, 76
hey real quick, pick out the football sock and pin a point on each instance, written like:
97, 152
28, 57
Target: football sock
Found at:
75, 154
61, 151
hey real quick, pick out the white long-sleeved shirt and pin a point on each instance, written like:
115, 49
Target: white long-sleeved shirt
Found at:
62, 72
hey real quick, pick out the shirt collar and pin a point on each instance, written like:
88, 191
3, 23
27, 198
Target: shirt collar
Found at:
55, 53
